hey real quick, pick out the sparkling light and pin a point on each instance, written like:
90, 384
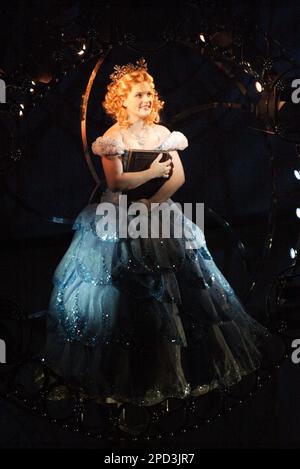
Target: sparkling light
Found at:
82, 51
297, 174
258, 86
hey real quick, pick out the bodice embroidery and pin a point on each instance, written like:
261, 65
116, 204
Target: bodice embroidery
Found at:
112, 148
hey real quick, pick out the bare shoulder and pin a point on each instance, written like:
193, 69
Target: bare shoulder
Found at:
162, 130
113, 132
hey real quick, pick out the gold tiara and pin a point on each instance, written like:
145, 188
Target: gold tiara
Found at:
120, 71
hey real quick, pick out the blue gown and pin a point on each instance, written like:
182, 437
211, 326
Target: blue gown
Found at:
143, 319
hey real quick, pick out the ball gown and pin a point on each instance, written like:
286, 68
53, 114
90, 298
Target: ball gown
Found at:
139, 320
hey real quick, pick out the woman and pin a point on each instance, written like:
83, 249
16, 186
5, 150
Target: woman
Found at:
135, 319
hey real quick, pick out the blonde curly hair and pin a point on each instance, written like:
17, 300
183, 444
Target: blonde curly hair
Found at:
118, 90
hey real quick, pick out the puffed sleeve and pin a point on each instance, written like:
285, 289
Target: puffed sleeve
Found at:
175, 141
107, 146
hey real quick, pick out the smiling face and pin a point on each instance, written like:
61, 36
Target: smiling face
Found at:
133, 98
139, 101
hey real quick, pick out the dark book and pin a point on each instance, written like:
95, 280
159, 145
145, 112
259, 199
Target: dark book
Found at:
139, 160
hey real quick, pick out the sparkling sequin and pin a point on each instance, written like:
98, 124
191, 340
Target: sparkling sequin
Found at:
114, 299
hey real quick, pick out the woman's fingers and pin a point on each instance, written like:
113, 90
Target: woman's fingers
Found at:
163, 168
158, 157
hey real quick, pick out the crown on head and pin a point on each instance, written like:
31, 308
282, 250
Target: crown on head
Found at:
120, 71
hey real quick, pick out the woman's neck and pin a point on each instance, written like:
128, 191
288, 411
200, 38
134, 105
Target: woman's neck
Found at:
137, 126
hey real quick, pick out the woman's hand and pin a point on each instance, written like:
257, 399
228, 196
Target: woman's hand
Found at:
160, 170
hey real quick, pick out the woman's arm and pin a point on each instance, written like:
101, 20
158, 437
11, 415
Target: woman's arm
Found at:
113, 168
119, 181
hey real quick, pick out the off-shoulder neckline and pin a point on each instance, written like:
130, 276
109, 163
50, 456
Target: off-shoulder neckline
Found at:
113, 144
146, 149
126, 148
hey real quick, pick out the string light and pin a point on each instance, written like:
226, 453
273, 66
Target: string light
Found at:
62, 55
258, 86
82, 51
297, 174
247, 66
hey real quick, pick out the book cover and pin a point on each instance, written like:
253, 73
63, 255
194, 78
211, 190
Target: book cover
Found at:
139, 160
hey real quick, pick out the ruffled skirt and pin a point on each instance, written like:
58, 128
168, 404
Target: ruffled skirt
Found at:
144, 319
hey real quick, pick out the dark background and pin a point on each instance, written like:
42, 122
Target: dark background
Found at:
228, 166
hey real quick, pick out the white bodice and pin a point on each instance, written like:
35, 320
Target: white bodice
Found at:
111, 148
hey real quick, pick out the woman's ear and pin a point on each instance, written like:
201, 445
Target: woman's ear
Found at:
124, 100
